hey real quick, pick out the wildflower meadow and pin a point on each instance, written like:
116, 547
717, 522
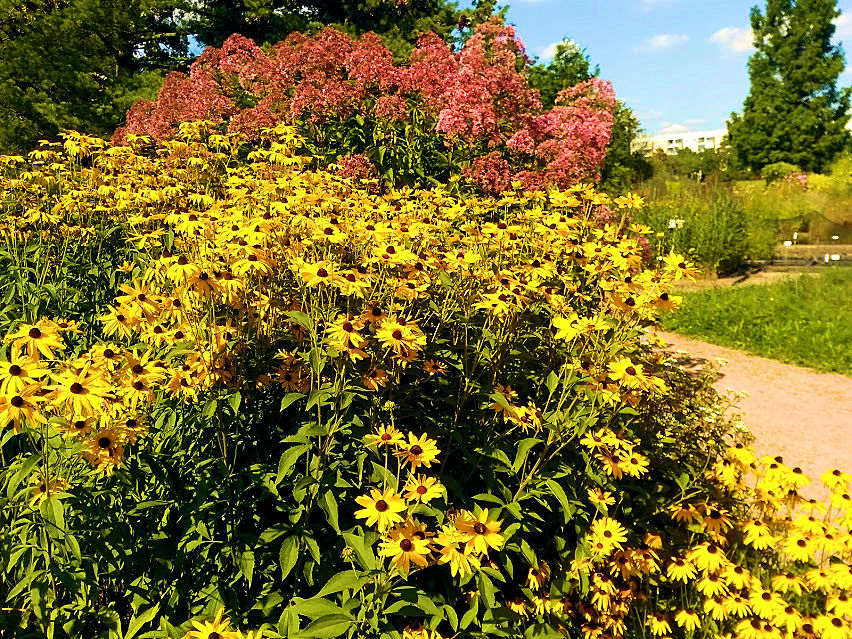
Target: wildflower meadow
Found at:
322, 345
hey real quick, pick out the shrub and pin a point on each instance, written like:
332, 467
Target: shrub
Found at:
778, 171
335, 412
416, 123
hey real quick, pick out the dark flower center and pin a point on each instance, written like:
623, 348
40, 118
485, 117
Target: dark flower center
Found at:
104, 442
397, 334
416, 450
17, 401
76, 388
322, 272
34, 333
479, 528
406, 545
381, 505
421, 490
182, 261
15, 370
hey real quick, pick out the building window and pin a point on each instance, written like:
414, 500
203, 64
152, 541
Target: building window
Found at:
680, 142
700, 140
710, 141
701, 147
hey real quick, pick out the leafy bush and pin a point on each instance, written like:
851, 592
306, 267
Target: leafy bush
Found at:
778, 171
443, 114
710, 226
333, 412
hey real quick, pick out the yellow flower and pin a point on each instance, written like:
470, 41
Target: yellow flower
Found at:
606, 535
454, 550
481, 532
219, 628
418, 451
39, 339
44, 488
19, 372
658, 624
385, 436
681, 570
381, 508
423, 489
404, 549
687, 619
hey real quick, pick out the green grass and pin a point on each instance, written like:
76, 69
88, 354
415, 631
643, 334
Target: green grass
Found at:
805, 321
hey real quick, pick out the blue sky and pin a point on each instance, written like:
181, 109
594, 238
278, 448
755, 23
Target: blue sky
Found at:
676, 63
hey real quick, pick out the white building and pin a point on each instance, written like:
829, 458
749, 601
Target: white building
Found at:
670, 142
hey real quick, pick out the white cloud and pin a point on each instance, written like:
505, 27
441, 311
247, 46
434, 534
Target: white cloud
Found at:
547, 53
734, 39
843, 23
664, 41
673, 127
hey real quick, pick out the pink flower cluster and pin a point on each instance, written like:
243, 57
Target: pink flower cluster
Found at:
476, 99
799, 179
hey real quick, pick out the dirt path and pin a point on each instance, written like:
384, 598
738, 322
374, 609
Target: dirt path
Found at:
803, 415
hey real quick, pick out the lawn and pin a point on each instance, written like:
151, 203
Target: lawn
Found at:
805, 321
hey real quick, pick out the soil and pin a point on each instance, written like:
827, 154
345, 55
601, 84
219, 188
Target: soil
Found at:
803, 415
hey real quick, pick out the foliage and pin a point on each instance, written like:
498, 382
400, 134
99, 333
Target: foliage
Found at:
338, 413
80, 64
399, 24
795, 111
806, 320
710, 225
569, 67
438, 116
778, 171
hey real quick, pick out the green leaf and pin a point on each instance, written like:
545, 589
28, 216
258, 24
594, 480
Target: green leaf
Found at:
234, 400
346, 580
551, 381
138, 621
317, 359
363, 552
329, 505
246, 562
327, 627
524, 447
288, 555
287, 461
53, 513
317, 607
289, 398
567, 509
302, 319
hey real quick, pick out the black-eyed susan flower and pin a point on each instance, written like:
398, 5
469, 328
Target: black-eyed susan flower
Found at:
219, 628
39, 340
481, 532
681, 569
454, 550
385, 435
23, 405
19, 372
606, 535
418, 451
405, 549
423, 489
381, 508
687, 619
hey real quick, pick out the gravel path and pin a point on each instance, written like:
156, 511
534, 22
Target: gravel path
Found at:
803, 415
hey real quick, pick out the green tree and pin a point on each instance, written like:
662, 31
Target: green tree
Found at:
570, 66
80, 63
398, 23
795, 111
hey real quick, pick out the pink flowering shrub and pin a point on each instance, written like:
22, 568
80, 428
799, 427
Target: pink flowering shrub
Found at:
444, 112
